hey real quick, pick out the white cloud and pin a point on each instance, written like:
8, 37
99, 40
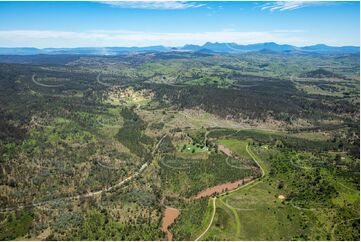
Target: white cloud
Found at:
288, 5
105, 38
101, 38
154, 4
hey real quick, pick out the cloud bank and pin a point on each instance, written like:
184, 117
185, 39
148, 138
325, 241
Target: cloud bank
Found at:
289, 5
102, 38
169, 5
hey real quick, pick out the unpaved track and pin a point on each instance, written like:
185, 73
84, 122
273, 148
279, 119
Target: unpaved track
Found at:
102, 83
76, 197
228, 192
210, 222
107, 84
44, 85
106, 166
335, 226
90, 194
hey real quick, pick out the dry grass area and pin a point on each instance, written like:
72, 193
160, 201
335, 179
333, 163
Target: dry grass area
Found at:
313, 135
187, 118
198, 118
118, 95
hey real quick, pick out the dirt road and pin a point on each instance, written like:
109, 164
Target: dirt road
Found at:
90, 194
238, 188
210, 222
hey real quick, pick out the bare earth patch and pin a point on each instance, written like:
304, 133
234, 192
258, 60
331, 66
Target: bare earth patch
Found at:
170, 214
221, 188
225, 150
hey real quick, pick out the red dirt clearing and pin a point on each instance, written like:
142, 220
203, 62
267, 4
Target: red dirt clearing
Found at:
221, 188
225, 150
170, 214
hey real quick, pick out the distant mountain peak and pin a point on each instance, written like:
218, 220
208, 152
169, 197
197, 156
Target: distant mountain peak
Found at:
266, 47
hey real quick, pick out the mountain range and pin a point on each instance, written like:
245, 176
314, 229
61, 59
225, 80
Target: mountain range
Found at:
207, 47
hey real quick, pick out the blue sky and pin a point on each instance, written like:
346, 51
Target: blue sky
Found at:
84, 24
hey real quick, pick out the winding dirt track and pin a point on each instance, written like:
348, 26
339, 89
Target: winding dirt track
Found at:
218, 189
44, 85
240, 187
210, 222
90, 194
103, 83
334, 227
107, 84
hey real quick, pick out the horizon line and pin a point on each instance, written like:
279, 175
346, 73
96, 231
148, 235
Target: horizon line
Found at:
178, 46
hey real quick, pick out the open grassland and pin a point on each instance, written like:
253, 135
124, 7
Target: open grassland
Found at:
237, 146
270, 208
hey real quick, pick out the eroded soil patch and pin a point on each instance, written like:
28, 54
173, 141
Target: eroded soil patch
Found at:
170, 214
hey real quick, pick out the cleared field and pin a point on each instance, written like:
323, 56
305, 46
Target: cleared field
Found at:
265, 210
237, 146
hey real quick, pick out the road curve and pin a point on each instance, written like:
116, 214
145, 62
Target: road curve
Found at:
228, 192
211, 222
44, 85
107, 84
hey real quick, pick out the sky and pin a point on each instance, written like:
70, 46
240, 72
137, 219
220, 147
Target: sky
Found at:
170, 23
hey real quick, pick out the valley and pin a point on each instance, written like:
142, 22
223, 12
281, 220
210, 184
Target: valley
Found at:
180, 145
